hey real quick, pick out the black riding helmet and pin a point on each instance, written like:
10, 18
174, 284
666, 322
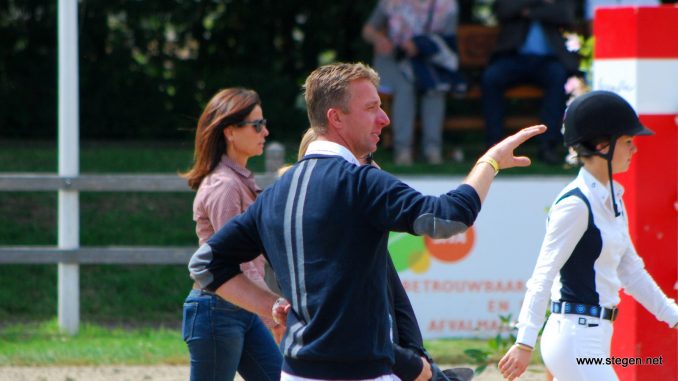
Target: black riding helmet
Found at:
601, 114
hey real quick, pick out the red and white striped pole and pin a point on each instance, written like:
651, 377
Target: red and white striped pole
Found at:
636, 56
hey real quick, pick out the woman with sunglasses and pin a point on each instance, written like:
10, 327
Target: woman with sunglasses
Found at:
587, 255
222, 337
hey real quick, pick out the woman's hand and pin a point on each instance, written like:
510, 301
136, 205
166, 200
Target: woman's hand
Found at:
514, 362
278, 332
279, 312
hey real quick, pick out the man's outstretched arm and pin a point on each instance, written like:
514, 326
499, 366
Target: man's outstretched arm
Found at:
498, 157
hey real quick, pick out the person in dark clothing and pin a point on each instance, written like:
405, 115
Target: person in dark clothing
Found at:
408, 344
531, 49
324, 228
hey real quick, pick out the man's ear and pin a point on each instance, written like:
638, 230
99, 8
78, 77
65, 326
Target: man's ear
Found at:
334, 117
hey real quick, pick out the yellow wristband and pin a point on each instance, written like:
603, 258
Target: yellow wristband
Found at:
489, 160
523, 347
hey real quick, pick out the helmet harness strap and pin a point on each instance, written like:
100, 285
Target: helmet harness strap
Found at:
608, 156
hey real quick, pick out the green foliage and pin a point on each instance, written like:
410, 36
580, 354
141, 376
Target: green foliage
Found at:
586, 53
452, 351
28, 59
479, 357
147, 68
497, 345
506, 335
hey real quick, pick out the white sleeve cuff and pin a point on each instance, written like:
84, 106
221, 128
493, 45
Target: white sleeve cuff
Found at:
527, 336
670, 315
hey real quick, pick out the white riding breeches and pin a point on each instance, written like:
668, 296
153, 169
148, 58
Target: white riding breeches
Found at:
569, 340
288, 377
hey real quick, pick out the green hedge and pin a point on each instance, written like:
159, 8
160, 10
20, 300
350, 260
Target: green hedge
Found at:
148, 67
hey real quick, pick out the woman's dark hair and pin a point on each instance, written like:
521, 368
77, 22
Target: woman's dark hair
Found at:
227, 107
588, 148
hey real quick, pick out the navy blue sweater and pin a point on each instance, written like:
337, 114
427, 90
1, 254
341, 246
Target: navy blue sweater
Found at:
324, 227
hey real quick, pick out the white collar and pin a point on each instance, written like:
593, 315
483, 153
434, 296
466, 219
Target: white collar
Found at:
327, 148
597, 188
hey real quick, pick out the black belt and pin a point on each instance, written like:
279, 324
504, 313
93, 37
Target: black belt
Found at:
584, 309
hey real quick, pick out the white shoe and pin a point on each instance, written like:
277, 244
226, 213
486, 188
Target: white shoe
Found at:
434, 157
403, 158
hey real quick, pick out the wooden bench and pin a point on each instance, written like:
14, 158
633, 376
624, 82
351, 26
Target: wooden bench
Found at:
476, 43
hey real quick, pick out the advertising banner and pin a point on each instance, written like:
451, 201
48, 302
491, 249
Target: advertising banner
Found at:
460, 286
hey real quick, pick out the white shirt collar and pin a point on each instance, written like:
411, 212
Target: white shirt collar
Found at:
601, 191
327, 148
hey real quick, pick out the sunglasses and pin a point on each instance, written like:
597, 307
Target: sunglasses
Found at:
258, 124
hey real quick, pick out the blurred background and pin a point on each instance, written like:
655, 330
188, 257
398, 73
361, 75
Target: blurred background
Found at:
148, 67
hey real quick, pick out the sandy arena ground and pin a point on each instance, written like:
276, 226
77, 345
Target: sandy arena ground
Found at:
165, 373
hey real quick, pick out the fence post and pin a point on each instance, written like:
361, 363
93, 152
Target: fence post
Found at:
274, 156
69, 152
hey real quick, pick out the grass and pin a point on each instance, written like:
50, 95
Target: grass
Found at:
131, 314
106, 157
40, 344
451, 351
140, 157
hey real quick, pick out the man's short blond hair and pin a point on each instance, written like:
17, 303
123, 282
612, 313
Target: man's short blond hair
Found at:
327, 87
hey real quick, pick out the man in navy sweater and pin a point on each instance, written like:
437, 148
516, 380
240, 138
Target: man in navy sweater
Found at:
324, 227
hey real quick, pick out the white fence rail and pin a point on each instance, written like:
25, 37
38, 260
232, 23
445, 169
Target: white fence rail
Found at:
71, 258
31, 182
147, 182
118, 255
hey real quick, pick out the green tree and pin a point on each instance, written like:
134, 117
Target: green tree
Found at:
147, 67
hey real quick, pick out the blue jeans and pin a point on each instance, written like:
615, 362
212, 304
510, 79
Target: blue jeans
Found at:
508, 71
223, 338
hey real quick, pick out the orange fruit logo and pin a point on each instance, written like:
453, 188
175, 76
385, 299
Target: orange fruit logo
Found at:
451, 249
415, 252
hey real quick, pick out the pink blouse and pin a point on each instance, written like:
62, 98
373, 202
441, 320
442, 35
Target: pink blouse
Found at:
223, 194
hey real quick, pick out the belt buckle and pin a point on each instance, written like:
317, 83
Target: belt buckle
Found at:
613, 315
557, 307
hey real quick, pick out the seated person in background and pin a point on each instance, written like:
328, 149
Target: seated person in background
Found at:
530, 49
415, 55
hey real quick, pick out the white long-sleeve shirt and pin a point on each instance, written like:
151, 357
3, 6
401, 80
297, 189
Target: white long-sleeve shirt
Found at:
588, 263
